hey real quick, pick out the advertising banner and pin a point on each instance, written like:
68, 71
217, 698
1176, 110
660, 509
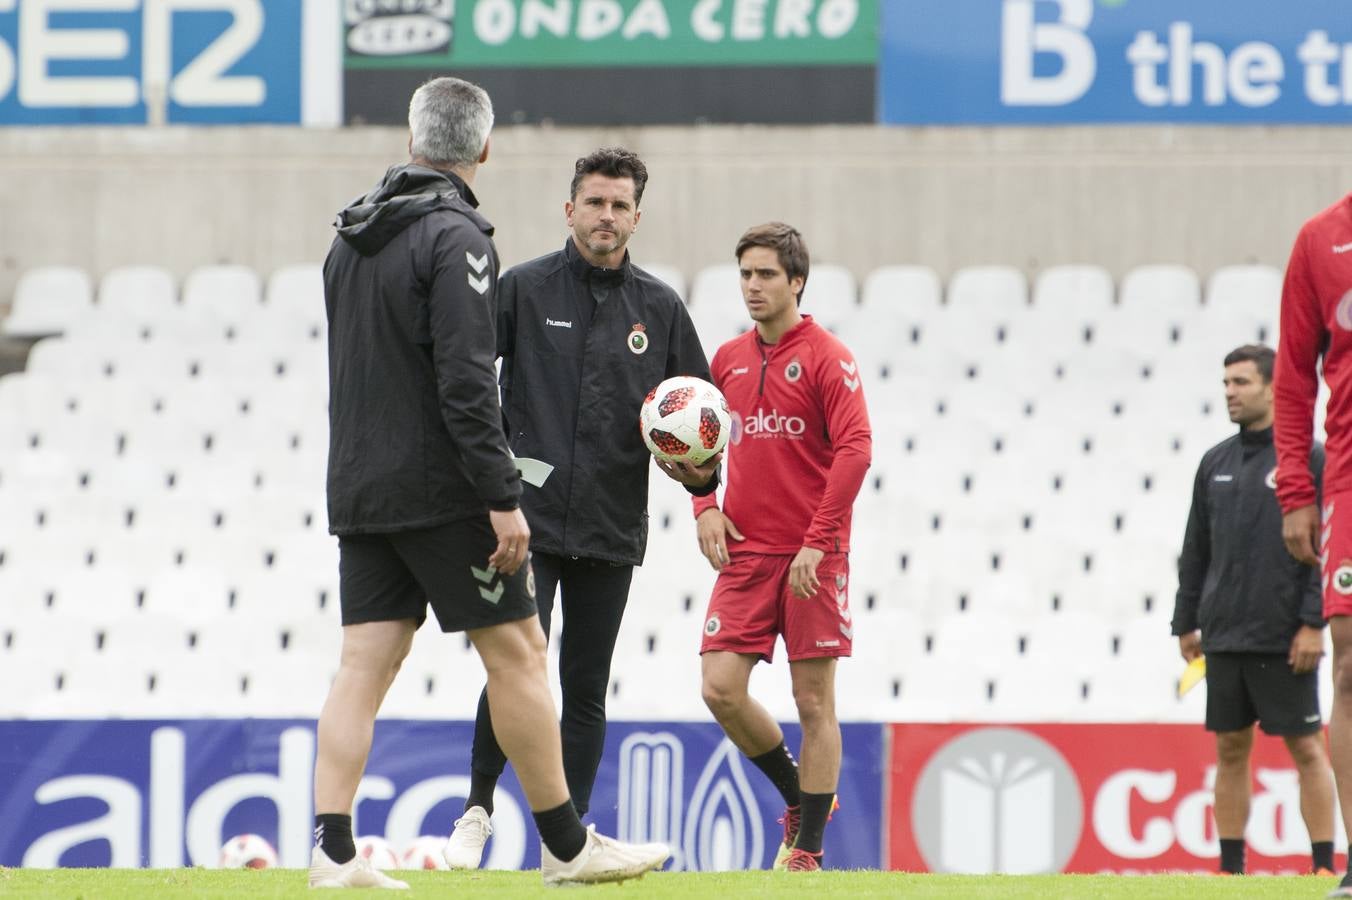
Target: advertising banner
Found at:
137, 62
620, 61
549, 33
168, 794
1069, 61
1125, 798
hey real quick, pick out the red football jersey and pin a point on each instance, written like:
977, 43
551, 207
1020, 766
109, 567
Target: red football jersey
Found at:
800, 442
1316, 319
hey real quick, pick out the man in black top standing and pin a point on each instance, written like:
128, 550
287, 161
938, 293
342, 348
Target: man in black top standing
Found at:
1260, 615
584, 335
423, 492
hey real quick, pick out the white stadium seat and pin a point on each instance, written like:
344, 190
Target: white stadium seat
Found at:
1070, 307
225, 292
49, 300
69, 360
987, 290
298, 289
1251, 291
894, 289
1167, 290
1073, 290
716, 306
831, 296
143, 292
669, 274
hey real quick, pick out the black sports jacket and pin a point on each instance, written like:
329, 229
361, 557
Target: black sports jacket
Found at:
1235, 579
581, 347
415, 429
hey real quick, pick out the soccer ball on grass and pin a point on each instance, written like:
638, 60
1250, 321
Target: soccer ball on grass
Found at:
425, 853
247, 851
378, 852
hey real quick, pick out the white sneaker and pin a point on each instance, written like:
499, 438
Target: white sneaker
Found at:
355, 873
603, 859
465, 849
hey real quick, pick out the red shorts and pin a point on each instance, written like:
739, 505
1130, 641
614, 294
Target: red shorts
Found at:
752, 604
1335, 554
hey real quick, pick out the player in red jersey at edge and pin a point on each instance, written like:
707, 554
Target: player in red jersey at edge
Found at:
1317, 321
800, 447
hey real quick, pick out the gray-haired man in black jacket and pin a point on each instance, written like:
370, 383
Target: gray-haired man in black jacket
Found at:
1256, 612
423, 492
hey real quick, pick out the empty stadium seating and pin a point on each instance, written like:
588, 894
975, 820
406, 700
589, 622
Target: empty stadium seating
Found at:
163, 534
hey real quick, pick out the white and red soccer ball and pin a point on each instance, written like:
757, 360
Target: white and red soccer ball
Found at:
424, 853
247, 851
378, 852
685, 419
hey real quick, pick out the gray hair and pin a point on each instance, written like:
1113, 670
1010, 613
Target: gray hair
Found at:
450, 120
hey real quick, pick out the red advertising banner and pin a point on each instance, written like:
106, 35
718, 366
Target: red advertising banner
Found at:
1125, 798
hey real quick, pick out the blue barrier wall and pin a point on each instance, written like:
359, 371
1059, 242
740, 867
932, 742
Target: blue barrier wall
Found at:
166, 794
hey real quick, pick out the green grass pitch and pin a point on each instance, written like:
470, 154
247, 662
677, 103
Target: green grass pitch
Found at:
116, 884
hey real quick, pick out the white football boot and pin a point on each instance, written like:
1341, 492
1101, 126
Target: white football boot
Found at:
602, 859
357, 872
465, 849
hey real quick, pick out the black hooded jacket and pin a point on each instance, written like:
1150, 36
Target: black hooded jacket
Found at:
1236, 581
581, 347
415, 427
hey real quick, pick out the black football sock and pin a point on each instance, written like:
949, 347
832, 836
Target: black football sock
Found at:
816, 810
481, 787
333, 834
561, 831
1321, 855
782, 770
1232, 855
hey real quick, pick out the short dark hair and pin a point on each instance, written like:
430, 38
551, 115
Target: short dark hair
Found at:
1260, 355
787, 243
612, 162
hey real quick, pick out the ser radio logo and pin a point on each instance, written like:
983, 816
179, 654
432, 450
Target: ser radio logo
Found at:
383, 28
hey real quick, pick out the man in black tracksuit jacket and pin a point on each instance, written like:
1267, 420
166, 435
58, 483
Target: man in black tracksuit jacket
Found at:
423, 491
1259, 611
583, 335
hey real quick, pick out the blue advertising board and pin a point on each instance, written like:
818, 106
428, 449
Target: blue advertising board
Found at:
131, 62
1069, 61
168, 794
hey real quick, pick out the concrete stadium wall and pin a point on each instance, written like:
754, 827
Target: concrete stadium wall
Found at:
864, 196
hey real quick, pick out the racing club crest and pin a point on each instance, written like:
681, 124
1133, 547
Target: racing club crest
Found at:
1342, 578
637, 342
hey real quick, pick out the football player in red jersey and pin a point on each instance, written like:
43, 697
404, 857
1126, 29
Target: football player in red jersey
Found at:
799, 459
1316, 326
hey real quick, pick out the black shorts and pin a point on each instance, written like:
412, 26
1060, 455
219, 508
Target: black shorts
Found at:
1242, 688
386, 577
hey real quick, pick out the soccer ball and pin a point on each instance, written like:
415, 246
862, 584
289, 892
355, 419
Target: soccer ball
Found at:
247, 851
425, 853
378, 851
685, 419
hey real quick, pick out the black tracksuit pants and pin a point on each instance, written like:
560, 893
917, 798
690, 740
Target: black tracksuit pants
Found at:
594, 594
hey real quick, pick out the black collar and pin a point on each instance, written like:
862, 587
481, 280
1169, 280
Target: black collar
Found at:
463, 188
1258, 438
587, 272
